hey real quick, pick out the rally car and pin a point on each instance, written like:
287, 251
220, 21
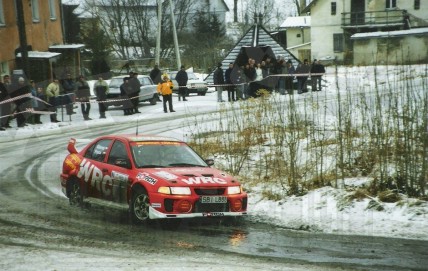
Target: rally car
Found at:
153, 177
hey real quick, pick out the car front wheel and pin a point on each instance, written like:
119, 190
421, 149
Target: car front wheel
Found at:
75, 194
139, 206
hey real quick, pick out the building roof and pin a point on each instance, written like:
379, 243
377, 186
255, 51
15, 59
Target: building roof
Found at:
296, 22
391, 34
256, 36
67, 46
40, 55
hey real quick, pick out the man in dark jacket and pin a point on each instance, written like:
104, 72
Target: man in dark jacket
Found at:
3, 97
135, 88
302, 74
219, 82
22, 103
182, 79
69, 86
155, 75
317, 71
230, 87
5, 108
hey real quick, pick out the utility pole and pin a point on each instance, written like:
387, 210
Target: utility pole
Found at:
174, 32
22, 37
158, 37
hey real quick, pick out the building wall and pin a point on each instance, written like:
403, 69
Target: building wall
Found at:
297, 36
40, 34
407, 49
324, 25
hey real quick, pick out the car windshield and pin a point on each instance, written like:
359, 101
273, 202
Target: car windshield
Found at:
165, 154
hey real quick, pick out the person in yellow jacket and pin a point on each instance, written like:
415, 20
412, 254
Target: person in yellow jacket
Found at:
165, 89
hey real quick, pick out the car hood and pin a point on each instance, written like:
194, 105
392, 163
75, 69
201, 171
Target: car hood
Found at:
187, 176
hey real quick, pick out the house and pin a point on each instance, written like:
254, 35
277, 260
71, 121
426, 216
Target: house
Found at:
29, 42
298, 35
362, 32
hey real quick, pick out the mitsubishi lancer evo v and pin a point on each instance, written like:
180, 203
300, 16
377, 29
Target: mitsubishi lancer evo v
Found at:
153, 177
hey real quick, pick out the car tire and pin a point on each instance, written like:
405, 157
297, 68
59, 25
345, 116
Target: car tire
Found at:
154, 100
139, 207
74, 193
202, 93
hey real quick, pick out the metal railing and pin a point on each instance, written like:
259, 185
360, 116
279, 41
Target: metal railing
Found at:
385, 18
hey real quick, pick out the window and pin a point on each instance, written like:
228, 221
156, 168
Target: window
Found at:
333, 8
2, 22
338, 42
118, 151
52, 10
417, 4
35, 10
391, 3
98, 150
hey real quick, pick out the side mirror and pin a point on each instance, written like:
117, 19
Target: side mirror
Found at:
210, 162
125, 163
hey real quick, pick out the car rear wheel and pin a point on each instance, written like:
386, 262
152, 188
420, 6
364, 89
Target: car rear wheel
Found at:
139, 206
75, 194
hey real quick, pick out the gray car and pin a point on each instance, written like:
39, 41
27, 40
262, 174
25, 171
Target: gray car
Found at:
148, 90
194, 84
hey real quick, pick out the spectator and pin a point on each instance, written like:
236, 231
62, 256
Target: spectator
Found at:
125, 90
230, 87
101, 91
52, 93
135, 86
238, 79
23, 103
302, 73
6, 108
219, 82
289, 76
69, 87
182, 79
317, 71
83, 93
38, 105
155, 74
3, 97
165, 89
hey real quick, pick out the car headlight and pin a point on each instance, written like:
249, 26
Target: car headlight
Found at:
174, 190
232, 190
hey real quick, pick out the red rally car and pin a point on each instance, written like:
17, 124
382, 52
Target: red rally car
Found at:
154, 177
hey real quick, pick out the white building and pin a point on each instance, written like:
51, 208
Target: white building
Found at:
369, 31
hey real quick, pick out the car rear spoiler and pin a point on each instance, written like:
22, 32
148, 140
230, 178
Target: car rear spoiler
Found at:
71, 147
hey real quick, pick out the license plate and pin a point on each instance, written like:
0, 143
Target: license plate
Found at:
213, 199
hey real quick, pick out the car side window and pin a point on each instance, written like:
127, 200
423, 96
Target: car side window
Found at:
98, 150
118, 151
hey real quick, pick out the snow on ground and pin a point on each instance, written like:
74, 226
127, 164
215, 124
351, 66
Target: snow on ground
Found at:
323, 210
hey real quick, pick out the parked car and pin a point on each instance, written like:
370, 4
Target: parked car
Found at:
194, 84
151, 176
148, 90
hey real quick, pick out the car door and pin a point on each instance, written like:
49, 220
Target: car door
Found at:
147, 89
119, 169
92, 169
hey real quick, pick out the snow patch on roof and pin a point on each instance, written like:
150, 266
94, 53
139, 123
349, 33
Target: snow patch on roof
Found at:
300, 21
